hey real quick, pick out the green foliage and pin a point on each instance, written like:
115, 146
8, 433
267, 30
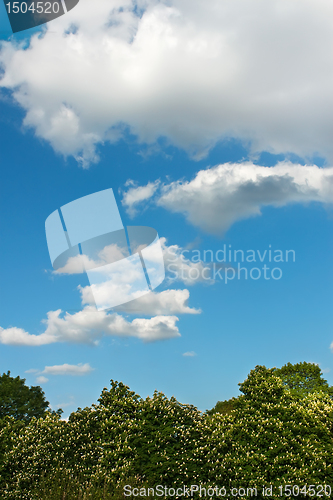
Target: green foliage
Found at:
20, 401
261, 386
223, 407
166, 438
118, 416
275, 439
62, 486
269, 437
303, 378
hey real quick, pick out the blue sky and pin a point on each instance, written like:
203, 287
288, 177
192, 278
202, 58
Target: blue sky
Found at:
59, 143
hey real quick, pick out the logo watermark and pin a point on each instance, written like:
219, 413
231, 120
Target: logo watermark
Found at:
228, 264
88, 236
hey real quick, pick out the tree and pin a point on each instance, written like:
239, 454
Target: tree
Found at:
261, 386
224, 407
166, 439
20, 401
303, 378
270, 438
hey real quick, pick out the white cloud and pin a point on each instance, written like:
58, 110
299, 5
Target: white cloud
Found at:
191, 71
66, 369
89, 326
76, 265
190, 354
220, 196
42, 380
135, 195
116, 283
166, 302
119, 291
82, 263
18, 336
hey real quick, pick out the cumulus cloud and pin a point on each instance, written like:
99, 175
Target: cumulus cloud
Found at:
166, 302
66, 369
114, 285
76, 265
190, 354
221, 195
18, 336
218, 197
89, 326
190, 71
118, 291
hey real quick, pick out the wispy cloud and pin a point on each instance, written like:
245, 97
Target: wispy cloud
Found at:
66, 369
190, 354
135, 195
71, 402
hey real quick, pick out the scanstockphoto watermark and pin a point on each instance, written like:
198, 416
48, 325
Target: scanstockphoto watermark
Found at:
191, 491
263, 491
228, 264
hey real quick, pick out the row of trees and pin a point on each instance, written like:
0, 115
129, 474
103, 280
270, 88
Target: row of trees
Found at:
279, 430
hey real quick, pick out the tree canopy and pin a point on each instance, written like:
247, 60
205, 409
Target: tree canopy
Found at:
303, 378
269, 437
19, 401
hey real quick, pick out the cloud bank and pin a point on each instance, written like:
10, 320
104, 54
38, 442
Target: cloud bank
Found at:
190, 71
